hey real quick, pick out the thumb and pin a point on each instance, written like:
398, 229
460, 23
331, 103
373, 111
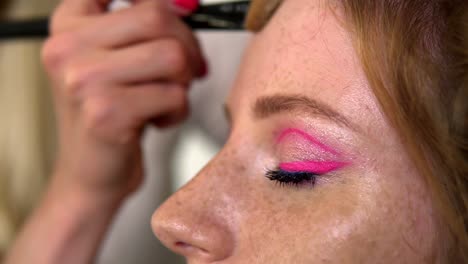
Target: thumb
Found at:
74, 8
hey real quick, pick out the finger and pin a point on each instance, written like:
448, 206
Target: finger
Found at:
171, 119
122, 114
76, 13
151, 101
75, 8
162, 60
71, 14
143, 22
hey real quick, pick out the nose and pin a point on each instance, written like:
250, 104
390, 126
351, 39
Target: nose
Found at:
196, 223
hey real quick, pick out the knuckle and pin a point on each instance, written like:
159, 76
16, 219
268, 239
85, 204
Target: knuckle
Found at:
78, 76
152, 20
98, 113
56, 51
103, 121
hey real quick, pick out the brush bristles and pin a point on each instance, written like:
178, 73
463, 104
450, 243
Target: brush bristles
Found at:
260, 11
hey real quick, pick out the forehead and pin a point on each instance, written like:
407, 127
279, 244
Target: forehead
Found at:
304, 49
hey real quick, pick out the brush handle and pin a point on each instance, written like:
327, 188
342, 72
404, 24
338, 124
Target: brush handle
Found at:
220, 16
33, 28
228, 15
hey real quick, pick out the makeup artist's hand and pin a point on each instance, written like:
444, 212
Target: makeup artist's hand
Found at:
113, 73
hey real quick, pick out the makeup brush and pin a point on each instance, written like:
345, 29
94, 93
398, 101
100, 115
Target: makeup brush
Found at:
260, 12
219, 15
210, 15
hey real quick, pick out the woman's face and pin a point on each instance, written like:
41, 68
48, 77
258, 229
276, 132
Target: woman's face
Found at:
312, 172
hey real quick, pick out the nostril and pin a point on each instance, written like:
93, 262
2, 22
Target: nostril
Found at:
183, 245
189, 249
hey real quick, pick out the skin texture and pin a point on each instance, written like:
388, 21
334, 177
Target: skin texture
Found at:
374, 210
113, 74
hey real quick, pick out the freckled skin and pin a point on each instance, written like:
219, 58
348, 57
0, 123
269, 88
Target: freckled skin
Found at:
376, 210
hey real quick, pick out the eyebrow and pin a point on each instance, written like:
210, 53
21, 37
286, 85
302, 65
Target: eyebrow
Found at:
270, 105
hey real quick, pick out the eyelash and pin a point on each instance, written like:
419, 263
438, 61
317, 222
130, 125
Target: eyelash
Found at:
286, 178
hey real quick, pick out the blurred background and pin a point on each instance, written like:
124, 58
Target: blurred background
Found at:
172, 157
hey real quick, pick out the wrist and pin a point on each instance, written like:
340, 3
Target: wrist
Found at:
104, 176
72, 219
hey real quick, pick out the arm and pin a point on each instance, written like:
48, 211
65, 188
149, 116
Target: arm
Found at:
67, 227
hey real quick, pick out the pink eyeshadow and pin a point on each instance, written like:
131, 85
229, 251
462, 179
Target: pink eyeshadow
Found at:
318, 167
308, 137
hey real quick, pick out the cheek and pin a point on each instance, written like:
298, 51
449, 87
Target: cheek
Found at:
294, 225
397, 220
386, 217
410, 210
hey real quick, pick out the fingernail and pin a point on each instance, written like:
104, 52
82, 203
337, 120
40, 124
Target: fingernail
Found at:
187, 5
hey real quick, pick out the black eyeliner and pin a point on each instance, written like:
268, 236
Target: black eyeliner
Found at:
291, 178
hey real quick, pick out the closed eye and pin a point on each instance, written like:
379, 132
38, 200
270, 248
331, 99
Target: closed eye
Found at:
287, 178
